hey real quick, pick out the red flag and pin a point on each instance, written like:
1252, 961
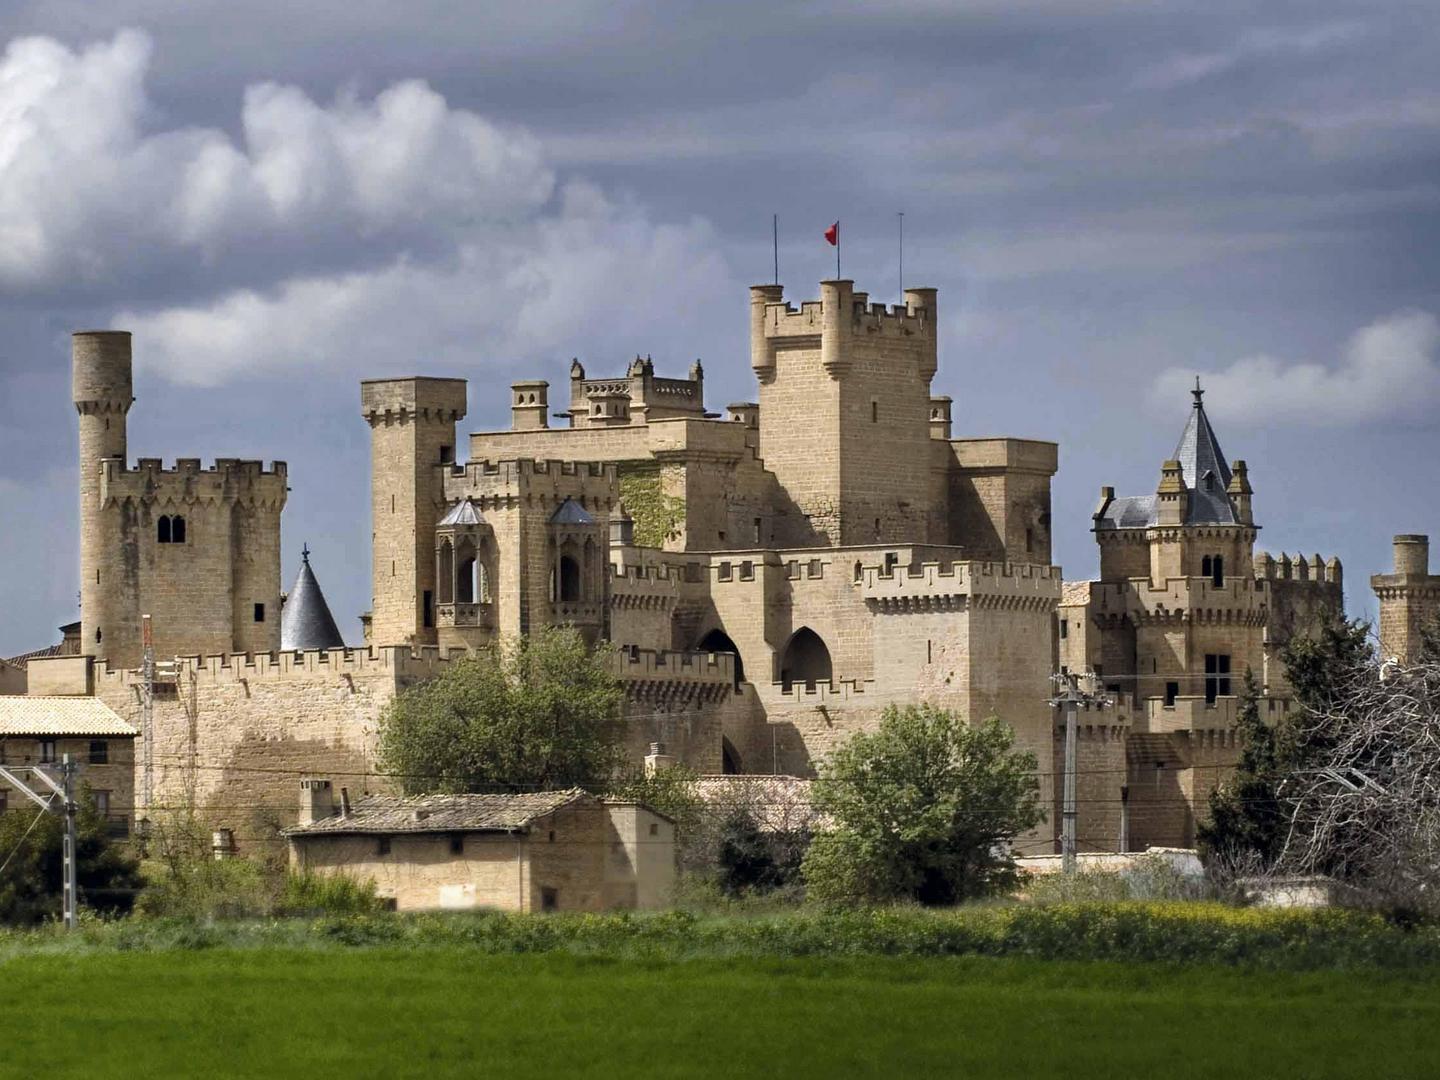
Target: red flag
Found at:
832, 234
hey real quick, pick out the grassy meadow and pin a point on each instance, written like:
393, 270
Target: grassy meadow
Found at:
384, 1012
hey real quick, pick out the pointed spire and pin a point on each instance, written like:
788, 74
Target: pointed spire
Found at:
305, 620
1203, 465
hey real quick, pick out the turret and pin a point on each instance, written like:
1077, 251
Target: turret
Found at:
412, 440
1172, 497
1412, 554
940, 417
529, 405
1240, 492
102, 390
762, 355
1409, 598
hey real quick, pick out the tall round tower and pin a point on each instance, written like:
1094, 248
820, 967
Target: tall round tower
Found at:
102, 391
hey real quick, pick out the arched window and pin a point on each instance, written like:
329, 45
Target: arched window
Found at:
569, 578
1205, 566
805, 660
859, 572
446, 573
162, 531
1217, 578
717, 641
177, 529
465, 580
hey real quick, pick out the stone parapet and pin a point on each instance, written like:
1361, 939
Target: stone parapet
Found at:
227, 480
1240, 600
957, 584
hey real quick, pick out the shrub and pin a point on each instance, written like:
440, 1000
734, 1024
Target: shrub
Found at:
308, 893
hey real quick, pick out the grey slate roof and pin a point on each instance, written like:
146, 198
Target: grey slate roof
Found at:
464, 512
571, 513
305, 621
388, 814
1206, 473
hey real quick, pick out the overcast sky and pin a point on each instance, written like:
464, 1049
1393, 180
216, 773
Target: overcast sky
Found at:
280, 199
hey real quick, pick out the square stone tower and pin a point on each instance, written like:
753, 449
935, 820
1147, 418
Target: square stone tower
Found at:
845, 396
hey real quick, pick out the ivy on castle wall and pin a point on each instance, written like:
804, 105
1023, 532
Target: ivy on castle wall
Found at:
658, 517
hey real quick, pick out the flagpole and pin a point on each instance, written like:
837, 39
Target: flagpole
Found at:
775, 241
900, 214
837, 251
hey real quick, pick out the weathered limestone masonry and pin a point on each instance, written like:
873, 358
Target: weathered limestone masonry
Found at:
1409, 598
1182, 610
233, 733
833, 537
197, 549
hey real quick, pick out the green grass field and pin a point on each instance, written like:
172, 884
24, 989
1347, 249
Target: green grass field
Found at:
459, 1012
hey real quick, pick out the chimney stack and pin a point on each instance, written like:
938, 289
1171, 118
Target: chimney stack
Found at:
316, 801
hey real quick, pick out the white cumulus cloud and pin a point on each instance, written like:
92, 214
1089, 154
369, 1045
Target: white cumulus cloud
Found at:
88, 190
362, 235
1388, 370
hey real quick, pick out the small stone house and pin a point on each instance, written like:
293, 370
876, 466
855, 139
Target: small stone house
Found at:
42, 730
542, 851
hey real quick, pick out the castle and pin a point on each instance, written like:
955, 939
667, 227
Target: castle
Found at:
772, 578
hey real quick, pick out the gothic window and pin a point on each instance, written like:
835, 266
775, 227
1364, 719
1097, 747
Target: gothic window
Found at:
170, 529
177, 529
162, 531
445, 579
805, 660
1217, 577
717, 641
569, 579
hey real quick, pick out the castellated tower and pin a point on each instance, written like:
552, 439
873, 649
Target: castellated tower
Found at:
1409, 598
196, 549
845, 396
412, 441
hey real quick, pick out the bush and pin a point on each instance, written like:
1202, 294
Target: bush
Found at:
1149, 877
308, 893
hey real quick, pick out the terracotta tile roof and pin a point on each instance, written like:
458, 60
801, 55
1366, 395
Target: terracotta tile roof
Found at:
1075, 593
442, 813
36, 716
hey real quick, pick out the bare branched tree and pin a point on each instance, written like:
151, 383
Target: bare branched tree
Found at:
1366, 803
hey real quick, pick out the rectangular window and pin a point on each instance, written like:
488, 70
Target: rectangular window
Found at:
1029, 541
428, 606
457, 845
747, 571
382, 845
102, 802
47, 751
654, 829
549, 899
4, 800
1064, 629
259, 612
817, 568
874, 412
758, 526
792, 570
447, 455
1172, 691
99, 752
723, 571
1217, 676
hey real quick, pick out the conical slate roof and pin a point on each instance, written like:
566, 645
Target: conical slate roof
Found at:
571, 513
305, 621
1203, 465
464, 512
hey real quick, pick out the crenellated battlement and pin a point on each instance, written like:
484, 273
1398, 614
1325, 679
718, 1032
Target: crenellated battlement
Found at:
491, 483
187, 481
784, 320
1315, 570
988, 584
405, 664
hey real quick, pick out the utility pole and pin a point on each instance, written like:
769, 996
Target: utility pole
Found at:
147, 718
1070, 697
65, 791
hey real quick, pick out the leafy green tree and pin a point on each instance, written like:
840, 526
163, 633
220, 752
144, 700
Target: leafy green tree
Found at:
924, 808
1248, 821
107, 873
537, 713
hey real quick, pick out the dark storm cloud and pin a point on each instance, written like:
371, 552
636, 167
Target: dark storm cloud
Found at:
1110, 196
